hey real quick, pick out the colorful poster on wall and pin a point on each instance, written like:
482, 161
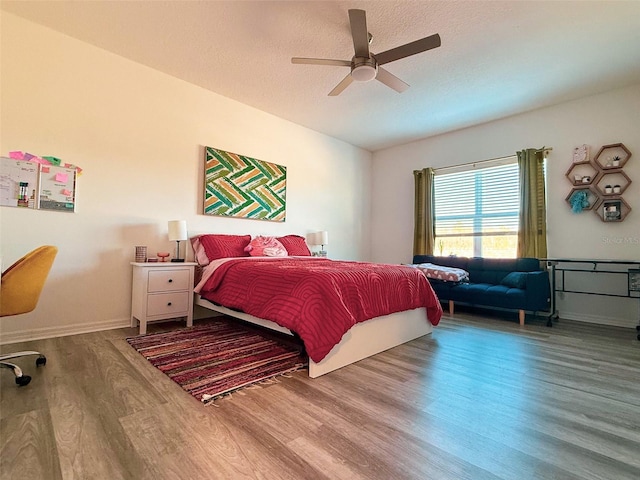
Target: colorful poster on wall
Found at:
243, 187
18, 183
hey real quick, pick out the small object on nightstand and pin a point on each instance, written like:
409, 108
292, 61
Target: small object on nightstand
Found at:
141, 254
163, 256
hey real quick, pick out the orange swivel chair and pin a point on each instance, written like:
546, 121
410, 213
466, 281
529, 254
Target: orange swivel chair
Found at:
20, 290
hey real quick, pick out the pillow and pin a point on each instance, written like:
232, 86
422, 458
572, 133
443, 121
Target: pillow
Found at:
198, 251
515, 280
265, 247
295, 245
223, 246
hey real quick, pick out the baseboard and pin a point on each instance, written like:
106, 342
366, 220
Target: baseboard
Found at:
62, 331
583, 317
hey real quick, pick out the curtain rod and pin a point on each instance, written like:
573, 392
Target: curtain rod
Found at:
480, 162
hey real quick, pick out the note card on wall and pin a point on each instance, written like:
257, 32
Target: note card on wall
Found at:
57, 189
18, 183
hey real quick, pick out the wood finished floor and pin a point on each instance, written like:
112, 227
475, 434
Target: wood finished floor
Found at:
480, 398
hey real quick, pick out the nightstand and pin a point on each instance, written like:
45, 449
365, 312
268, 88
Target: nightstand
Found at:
160, 291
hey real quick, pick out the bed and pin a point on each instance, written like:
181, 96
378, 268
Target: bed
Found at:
342, 311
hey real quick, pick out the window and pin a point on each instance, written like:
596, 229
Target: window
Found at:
476, 210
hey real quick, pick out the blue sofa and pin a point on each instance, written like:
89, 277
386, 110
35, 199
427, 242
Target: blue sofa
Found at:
513, 284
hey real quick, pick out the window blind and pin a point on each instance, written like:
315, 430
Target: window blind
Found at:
477, 202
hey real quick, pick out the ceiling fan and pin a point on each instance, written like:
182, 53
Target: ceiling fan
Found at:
365, 66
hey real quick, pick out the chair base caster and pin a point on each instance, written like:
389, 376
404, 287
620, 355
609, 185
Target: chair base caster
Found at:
23, 380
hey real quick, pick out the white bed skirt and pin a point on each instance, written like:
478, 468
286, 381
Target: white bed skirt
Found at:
361, 341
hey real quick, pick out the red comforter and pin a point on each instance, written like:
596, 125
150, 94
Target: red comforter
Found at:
317, 298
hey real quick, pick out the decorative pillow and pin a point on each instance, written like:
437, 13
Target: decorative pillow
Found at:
224, 246
265, 247
515, 280
198, 251
295, 245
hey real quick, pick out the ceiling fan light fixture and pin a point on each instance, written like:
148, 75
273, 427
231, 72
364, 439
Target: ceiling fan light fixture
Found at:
364, 70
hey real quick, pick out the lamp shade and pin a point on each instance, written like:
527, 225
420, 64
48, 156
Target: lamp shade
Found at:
177, 230
322, 238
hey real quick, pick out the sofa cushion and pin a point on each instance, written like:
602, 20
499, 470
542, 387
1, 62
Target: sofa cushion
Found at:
486, 294
515, 280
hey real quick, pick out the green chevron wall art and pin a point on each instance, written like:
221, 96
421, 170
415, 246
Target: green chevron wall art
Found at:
243, 187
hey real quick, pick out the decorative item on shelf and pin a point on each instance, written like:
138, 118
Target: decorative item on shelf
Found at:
616, 189
608, 189
612, 210
579, 201
581, 154
141, 254
177, 233
586, 179
163, 256
612, 156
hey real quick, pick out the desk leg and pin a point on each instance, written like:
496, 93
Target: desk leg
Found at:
554, 314
638, 326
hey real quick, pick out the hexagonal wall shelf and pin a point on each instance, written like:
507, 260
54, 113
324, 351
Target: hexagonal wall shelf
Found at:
591, 197
612, 156
612, 209
582, 173
612, 183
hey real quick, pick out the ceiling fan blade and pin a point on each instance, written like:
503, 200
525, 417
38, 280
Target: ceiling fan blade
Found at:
346, 81
390, 80
321, 61
408, 49
359, 32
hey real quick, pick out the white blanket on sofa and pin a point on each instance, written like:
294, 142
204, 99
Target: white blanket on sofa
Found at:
440, 272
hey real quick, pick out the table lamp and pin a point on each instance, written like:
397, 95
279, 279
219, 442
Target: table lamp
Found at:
177, 233
322, 239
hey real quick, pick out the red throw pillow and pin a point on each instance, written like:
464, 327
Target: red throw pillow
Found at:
224, 246
295, 245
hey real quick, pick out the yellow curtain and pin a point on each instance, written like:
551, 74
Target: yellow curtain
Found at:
532, 234
424, 225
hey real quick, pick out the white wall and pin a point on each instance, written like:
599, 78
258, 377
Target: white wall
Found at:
598, 120
139, 136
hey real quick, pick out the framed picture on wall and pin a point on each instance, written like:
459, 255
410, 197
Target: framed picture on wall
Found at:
581, 154
612, 211
243, 187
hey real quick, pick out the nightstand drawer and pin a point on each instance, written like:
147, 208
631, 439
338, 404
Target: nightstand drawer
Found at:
168, 303
169, 280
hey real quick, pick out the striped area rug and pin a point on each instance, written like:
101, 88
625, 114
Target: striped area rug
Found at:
215, 359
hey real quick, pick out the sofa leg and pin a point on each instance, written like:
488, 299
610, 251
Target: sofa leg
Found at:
450, 307
521, 316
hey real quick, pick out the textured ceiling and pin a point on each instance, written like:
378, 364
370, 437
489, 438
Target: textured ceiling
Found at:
497, 58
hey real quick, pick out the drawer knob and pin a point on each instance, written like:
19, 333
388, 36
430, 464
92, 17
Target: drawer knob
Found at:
170, 280
169, 304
